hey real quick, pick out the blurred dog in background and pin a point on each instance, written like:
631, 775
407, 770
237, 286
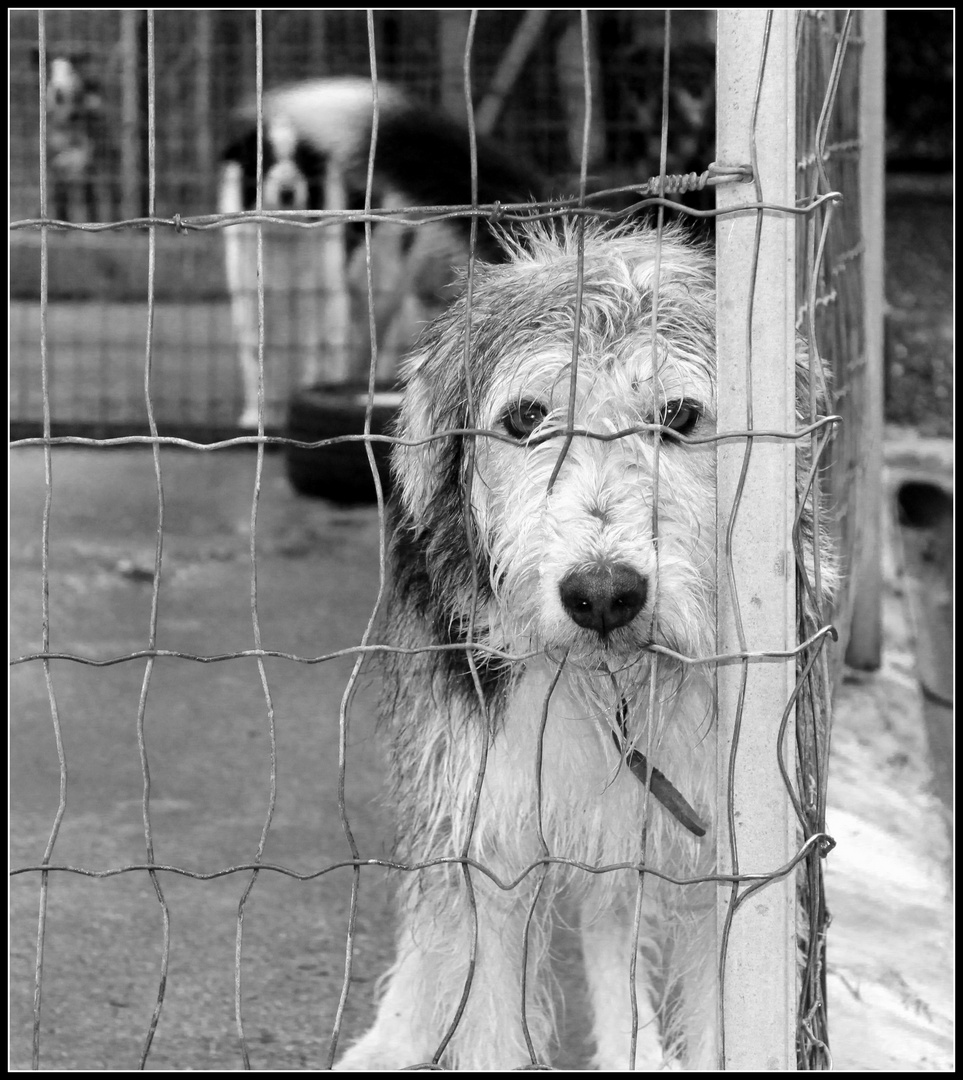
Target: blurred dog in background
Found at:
316, 141
81, 156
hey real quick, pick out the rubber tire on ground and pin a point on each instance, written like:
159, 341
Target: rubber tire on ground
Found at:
339, 472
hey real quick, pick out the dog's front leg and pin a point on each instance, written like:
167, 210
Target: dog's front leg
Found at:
422, 1016
674, 981
608, 942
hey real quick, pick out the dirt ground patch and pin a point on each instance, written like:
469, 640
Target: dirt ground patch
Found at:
207, 738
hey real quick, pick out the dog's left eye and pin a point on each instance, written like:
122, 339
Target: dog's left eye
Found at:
680, 416
521, 418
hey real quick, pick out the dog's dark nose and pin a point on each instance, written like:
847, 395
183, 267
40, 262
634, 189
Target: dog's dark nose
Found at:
603, 598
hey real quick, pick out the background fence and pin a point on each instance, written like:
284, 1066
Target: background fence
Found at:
94, 313
204, 65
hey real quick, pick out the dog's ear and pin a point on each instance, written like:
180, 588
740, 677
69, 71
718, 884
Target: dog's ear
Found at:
445, 559
418, 463
428, 470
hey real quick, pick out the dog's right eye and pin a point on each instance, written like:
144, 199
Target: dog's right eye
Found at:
680, 416
522, 418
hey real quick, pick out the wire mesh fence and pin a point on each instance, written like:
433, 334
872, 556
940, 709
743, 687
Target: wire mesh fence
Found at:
180, 129
204, 70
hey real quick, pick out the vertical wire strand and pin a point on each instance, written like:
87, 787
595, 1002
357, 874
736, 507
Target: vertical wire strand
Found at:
159, 546
822, 186
652, 660
348, 696
544, 869
255, 504
579, 255
467, 480
563, 452
45, 551
812, 1047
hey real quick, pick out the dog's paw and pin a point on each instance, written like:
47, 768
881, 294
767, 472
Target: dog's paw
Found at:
368, 1055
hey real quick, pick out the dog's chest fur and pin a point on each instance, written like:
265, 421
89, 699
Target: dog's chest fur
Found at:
553, 771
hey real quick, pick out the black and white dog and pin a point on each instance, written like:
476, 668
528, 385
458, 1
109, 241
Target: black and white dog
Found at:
316, 141
81, 157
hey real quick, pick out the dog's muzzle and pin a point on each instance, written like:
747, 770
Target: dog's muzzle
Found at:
602, 597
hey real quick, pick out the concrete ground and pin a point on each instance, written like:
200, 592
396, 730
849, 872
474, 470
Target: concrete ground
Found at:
209, 754
888, 881
206, 732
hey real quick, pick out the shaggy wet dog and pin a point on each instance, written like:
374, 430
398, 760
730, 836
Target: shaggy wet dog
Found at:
553, 565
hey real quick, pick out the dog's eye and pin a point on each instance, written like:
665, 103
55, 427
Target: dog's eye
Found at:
522, 418
680, 416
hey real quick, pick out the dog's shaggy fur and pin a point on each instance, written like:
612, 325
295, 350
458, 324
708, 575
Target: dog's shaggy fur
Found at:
552, 582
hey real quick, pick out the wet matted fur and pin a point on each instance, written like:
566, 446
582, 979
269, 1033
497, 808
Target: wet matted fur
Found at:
552, 562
